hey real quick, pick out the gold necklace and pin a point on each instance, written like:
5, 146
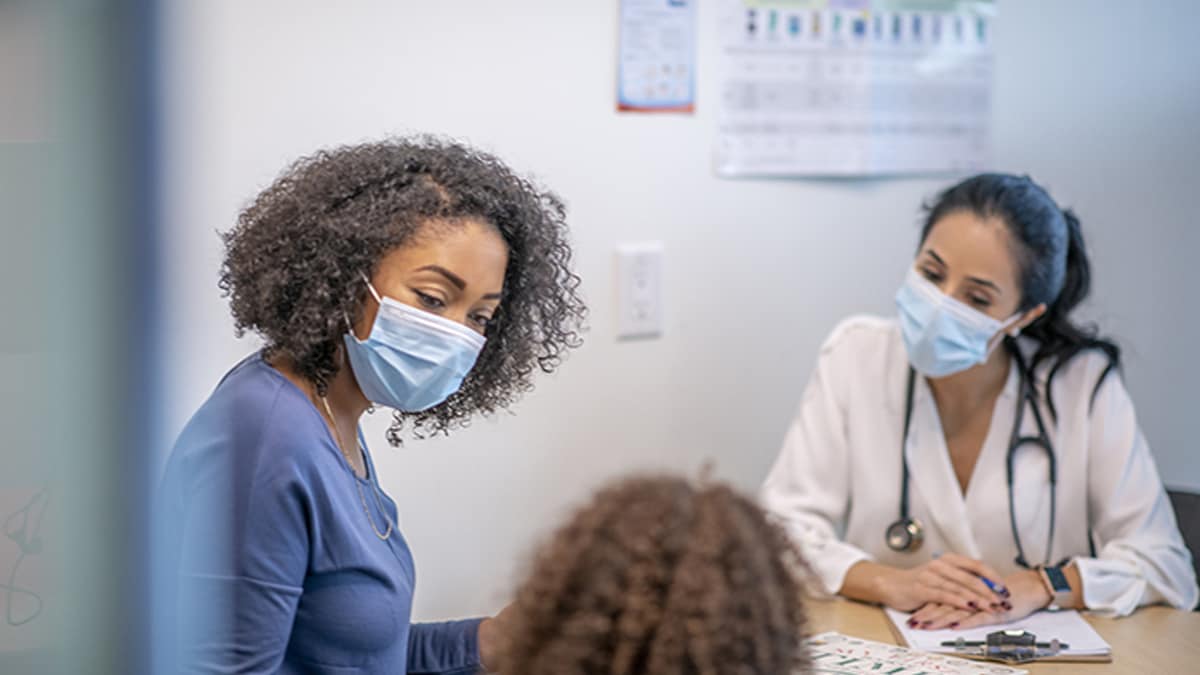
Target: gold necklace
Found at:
358, 484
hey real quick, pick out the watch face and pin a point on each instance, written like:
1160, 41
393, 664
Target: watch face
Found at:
1058, 580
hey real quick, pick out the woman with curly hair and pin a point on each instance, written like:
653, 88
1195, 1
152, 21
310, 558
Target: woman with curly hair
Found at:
416, 274
658, 577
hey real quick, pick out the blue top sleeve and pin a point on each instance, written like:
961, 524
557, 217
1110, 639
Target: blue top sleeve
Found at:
448, 648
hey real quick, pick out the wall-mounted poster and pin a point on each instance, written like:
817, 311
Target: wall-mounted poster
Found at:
854, 87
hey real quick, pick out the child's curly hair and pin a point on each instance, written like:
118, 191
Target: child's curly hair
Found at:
658, 577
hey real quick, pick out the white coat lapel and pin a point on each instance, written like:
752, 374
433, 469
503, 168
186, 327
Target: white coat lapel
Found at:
937, 500
987, 493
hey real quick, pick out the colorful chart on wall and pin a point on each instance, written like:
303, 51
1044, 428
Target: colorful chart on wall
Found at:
657, 55
854, 87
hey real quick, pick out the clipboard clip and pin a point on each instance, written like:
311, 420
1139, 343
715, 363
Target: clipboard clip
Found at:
1007, 646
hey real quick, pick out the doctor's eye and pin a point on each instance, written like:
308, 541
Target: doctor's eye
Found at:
429, 302
932, 275
980, 302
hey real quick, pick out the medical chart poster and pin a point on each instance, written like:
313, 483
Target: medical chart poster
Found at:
657, 56
854, 87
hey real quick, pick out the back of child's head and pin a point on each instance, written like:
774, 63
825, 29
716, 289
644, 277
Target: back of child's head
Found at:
657, 576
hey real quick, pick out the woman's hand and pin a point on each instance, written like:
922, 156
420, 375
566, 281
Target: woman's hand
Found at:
936, 616
491, 641
1027, 594
488, 644
951, 579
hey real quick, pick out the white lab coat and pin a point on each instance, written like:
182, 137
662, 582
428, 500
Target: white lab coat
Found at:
836, 483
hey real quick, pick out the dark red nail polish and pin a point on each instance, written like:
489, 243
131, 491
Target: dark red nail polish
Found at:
1006, 605
953, 624
972, 605
912, 623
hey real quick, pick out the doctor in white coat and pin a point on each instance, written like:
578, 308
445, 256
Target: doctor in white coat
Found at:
980, 459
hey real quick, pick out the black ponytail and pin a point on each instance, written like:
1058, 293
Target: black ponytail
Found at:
1053, 262
1059, 338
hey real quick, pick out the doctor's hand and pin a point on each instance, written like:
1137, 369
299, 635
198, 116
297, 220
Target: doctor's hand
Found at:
951, 580
1027, 595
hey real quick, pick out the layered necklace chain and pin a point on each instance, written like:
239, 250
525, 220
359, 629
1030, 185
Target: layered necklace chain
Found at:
358, 484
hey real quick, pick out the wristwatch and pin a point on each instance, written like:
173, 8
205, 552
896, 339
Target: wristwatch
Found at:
1056, 582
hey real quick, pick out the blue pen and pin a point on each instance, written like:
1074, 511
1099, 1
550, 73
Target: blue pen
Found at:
996, 588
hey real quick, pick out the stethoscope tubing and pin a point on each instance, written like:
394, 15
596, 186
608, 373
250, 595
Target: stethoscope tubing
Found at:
1016, 441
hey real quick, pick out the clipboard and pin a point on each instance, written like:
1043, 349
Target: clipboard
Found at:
1068, 626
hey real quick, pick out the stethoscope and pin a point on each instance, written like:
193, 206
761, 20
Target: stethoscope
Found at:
906, 534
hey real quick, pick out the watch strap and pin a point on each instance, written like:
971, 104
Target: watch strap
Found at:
1056, 584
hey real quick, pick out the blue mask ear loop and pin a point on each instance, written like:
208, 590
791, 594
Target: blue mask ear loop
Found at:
1003, 332
371, 288
374, 294
350, 329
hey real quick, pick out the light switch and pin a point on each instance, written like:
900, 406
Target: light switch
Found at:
639, 290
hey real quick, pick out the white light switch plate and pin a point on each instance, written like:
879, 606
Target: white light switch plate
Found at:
639, 290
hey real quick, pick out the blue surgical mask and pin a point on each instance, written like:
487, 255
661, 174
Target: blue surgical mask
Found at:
412, 360
943, 336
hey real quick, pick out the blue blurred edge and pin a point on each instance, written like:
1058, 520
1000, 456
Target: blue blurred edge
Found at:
79, 213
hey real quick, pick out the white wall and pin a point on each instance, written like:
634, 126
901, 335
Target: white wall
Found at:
1101, 109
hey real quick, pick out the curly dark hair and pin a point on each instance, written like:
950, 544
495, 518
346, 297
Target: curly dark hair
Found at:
657, 577
294, 262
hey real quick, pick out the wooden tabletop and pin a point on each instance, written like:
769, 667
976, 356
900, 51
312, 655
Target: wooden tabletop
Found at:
1153, 640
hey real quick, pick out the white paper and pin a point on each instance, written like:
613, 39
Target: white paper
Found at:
1067, 625
656, 72
843, 654
854, 87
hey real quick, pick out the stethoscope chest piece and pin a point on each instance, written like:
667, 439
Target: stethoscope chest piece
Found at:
905, 535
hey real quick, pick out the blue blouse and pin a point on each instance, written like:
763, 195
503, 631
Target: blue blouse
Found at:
272, 564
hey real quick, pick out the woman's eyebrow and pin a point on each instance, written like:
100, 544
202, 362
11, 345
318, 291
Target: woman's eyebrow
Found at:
450, 276
985, 282
977, 280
